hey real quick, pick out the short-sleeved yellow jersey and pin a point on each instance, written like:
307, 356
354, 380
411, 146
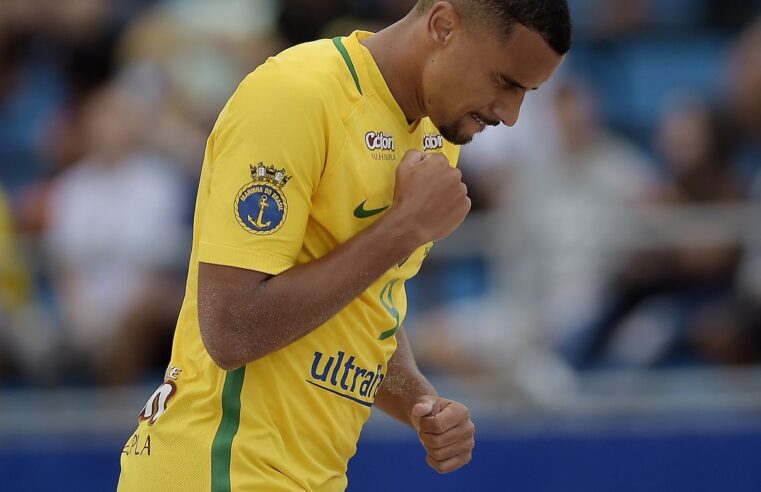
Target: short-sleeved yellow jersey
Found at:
301, 159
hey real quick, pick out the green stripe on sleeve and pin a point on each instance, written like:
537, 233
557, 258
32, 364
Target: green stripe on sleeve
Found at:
221, 448
342, 49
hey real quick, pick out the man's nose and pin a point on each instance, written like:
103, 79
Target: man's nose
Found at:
508, 107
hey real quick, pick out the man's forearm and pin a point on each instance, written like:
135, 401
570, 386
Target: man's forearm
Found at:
404, 383
274, 312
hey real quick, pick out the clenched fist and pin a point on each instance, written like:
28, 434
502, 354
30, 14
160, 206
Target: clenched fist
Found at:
429, 196
446, 432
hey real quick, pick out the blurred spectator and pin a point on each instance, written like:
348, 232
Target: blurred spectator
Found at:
566, 188
565, 207
15, 286
115, 232
745, 95
566, 217
30, 92
185, 58
51, 55
662, 299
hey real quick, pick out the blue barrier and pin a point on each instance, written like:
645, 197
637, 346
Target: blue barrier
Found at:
710, 462
717, 463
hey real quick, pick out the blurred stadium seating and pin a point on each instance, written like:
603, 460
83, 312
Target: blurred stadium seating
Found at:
655, 120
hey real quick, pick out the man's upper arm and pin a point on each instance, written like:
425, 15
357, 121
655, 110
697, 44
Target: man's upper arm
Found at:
265, 158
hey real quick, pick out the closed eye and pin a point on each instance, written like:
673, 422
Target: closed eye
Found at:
508, 83
502, 83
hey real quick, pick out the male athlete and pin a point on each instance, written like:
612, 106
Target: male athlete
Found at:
325, 182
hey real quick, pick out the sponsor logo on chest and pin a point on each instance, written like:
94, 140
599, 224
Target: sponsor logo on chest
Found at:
432, 142
381, 145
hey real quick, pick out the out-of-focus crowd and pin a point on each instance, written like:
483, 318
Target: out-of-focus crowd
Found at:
627, 202
621, 220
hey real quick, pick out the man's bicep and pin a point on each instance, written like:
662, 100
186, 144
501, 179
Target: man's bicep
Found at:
224, 293
212, 277
264, 165
220, 287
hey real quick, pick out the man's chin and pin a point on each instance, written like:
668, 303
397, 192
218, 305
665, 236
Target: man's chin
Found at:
455, 136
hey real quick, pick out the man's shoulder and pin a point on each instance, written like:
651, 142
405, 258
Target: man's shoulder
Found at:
305, 74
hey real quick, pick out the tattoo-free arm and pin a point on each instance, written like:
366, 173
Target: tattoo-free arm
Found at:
404, 383
245, 315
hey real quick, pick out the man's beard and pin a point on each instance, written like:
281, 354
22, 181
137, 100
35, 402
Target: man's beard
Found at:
453, 134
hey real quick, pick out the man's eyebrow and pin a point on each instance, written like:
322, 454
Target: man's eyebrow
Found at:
514, 83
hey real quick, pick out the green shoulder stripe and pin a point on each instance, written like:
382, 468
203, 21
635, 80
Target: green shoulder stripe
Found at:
221, 448
342, 49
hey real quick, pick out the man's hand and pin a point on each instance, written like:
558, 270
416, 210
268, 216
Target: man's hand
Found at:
446, 432
430, 198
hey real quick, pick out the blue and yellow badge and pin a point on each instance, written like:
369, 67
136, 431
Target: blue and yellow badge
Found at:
260, 206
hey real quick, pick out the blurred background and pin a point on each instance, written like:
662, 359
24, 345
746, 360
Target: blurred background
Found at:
599, 311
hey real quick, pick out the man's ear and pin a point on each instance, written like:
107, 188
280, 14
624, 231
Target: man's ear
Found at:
443, 19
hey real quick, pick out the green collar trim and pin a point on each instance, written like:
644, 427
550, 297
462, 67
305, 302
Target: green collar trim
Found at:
342, 49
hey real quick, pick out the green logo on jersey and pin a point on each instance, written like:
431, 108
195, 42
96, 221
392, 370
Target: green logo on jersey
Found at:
387, 300
361, 213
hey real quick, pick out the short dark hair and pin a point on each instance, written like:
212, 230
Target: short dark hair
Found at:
548, 18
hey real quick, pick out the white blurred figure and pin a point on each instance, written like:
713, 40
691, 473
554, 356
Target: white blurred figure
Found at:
566, 217
116, 224
566, 189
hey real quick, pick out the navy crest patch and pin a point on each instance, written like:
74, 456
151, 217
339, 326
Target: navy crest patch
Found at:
261, 207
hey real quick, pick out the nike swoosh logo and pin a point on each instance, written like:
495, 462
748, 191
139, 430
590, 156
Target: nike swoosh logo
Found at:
361, 213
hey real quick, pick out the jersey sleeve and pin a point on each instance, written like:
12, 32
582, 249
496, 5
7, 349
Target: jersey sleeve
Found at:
265, 155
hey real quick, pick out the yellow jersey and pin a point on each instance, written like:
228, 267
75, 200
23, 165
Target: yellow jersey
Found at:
301, 159
15, 281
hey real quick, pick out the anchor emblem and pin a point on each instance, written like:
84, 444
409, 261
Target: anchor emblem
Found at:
258, 222
261, 206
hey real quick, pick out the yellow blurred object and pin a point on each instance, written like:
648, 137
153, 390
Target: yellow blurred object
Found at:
15, 282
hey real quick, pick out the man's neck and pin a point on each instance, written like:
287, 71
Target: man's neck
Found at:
396, 54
